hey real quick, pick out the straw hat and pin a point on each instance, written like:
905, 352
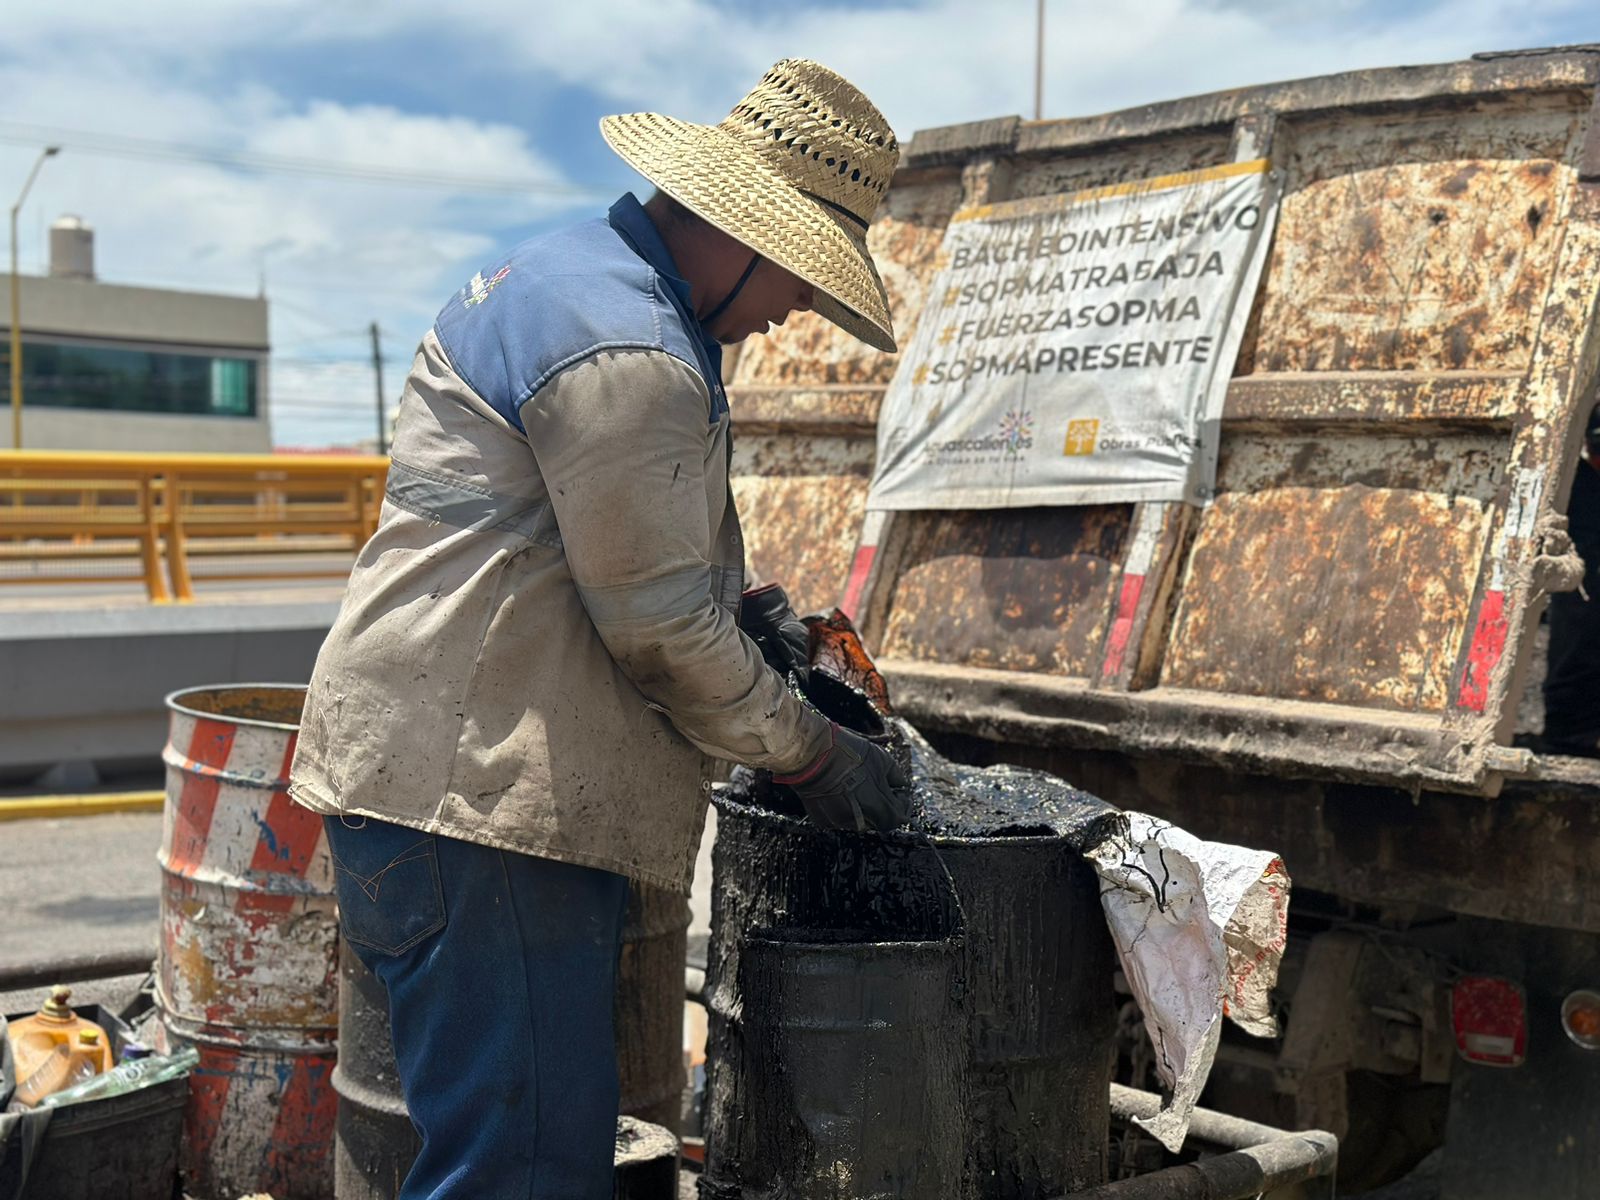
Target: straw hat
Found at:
795, 172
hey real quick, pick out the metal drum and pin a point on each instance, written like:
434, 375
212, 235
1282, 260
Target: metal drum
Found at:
649, 1007
647, 1161
1035, 961
377, 1142
249, 947
857, 1051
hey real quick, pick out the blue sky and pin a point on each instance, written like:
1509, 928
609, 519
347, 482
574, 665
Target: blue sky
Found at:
499, 91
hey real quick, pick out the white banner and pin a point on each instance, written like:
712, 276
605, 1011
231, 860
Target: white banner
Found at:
1076, 349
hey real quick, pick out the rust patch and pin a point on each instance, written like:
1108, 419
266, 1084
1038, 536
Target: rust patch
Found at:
1330, 398
1421, 241
837, 410
802, 499
1098, 166
1022, 589
1337, 571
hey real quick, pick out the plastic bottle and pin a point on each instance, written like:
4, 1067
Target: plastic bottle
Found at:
65, 1067
33, 1039
129, 1076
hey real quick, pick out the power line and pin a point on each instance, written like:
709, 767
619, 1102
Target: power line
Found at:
301, 361
359, 419
82, 141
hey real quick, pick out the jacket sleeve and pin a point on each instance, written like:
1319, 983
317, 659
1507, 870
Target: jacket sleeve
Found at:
621, 441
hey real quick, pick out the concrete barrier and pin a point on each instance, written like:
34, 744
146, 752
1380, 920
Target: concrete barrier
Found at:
84, 686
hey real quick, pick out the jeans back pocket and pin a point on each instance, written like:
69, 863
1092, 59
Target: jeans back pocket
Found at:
386, 878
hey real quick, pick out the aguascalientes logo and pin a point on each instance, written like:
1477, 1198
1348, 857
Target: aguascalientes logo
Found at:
1016, 431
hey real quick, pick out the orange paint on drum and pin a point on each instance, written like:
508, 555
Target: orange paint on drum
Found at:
249, 946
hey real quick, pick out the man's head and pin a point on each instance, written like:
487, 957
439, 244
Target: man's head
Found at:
789, 182
734, 290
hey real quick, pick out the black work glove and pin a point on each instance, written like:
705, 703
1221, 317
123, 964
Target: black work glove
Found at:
853, 784
784, 640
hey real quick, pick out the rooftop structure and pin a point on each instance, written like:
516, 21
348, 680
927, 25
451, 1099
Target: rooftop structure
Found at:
111, 367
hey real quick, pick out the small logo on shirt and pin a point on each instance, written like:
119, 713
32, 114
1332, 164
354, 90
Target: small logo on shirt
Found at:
478, 290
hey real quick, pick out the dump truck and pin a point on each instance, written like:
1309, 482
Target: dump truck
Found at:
1332, 656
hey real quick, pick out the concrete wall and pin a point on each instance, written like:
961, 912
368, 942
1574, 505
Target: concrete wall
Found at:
89, 685
91, 429
86, 308
151, 318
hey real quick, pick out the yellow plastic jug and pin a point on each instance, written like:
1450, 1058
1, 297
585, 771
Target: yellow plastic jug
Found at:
66, 1065
34, 1039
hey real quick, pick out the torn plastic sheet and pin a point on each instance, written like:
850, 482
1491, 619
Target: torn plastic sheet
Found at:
1200, 929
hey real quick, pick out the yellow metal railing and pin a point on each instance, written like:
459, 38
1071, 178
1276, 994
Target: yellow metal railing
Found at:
156, 512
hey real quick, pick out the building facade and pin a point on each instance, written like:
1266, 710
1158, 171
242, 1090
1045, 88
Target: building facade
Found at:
110, 367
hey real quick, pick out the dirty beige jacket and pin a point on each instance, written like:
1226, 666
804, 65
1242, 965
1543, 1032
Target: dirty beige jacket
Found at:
537, 649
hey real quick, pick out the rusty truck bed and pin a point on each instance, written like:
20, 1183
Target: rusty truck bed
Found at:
1402, 424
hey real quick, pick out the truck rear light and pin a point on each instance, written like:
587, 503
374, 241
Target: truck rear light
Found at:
1490, 1019
1580, 1017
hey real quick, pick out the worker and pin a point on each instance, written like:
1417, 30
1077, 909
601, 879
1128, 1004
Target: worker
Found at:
538, 654
1572, 676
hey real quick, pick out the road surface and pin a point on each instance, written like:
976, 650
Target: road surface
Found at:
76, 886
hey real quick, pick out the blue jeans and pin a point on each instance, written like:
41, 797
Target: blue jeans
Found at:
500, 970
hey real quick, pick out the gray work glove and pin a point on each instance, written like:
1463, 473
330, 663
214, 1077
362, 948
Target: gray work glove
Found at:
783, 639
853, 784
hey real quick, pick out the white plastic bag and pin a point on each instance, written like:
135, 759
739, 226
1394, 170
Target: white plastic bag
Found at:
1200, 928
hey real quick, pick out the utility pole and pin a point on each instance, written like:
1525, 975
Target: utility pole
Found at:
377, 375
1038, 66
16, 304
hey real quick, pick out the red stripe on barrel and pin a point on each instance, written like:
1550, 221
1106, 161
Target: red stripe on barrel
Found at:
297, 1155
290, 836
209, 746
208, 1097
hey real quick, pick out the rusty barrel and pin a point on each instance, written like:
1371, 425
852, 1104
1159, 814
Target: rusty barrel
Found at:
248, 959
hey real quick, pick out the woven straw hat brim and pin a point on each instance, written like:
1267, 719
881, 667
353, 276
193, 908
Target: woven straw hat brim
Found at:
719, 178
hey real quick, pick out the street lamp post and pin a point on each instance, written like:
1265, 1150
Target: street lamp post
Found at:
1038, 64
16, 305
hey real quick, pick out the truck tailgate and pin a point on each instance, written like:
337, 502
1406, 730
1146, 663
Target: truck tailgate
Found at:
1359, 599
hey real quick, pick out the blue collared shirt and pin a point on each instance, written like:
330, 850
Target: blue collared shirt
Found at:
559, 299
627, 217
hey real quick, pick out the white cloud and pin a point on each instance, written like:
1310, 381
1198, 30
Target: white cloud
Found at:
334, 254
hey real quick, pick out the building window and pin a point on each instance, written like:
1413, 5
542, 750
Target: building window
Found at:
69, 375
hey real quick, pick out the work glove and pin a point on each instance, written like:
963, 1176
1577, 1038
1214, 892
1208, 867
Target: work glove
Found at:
782, 637
853, 784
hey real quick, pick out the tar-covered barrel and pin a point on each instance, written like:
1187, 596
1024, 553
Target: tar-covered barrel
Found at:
376, 1141
857, 1055
1035, 962
247, 967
